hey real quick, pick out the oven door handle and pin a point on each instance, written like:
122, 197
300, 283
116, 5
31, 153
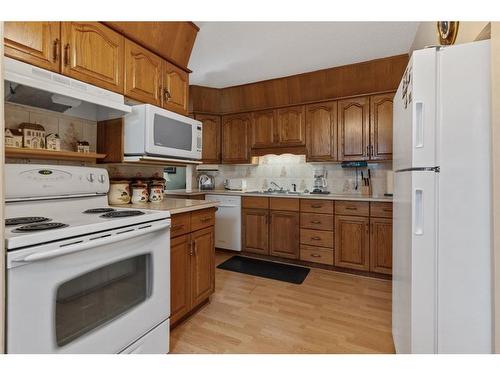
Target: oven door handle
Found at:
120, 236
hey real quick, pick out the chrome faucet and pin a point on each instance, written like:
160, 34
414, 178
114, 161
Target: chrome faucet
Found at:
275, 184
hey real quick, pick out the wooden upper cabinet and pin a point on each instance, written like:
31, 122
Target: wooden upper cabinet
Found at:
381, 126
255, 230
352, 242
143, 74
235, 145
381, 245
354, 128
202, 265
175, 88
263, 128
284, 234
93, 53
321, 131
211, 135
36, 43
291, 126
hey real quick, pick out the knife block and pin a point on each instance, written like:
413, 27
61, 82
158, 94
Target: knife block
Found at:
366, 190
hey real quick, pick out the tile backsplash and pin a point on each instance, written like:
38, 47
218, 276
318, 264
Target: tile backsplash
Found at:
288, 169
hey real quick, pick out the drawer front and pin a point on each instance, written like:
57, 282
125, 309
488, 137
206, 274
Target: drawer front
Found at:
352, 208
316, 238
255, 202
317, 206
284, 204
180, 224
381, 209
202, 219
316, 221
316, 254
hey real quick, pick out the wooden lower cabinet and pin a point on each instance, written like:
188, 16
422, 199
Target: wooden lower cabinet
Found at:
202, 265
255, 230
180, 293
192, 266
381, 245
284, 234
352, 242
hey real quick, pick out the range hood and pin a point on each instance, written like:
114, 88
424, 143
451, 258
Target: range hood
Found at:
28, 85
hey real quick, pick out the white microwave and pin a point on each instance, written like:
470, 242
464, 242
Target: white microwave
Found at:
150, 130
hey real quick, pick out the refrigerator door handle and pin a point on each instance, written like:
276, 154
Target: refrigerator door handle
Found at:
418, 223
419, 124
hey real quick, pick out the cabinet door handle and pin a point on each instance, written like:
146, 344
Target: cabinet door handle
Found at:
191, 248
55, 54
316, 238
178, 226
367, 150
316, 222
205, 219
316, 255
66, 54
195, 248
167, 94
372, 152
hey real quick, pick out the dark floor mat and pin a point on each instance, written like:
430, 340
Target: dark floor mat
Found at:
263, 268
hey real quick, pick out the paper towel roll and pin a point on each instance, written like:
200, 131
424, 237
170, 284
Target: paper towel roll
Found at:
389, 183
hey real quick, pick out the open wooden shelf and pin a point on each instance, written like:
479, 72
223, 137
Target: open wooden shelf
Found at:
27, 153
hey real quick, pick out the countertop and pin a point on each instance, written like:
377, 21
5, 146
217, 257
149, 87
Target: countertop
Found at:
339, 197
174, 205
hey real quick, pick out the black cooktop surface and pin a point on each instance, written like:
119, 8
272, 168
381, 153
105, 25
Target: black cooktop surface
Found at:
40, 226
25, 220
100, 210
124, 213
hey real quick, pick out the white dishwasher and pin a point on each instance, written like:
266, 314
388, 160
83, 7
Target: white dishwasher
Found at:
227, 221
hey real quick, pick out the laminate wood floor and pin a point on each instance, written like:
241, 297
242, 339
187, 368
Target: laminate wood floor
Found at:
330, 312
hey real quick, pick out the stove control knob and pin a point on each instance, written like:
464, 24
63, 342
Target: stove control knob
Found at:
90, 177
102, 179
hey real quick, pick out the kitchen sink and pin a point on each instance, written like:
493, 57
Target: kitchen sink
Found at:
275, 192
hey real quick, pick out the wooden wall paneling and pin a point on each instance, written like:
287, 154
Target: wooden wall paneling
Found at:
36, 43
204, 99
171, 40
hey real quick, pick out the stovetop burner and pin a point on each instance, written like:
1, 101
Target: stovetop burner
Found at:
25, 220
125, 213
39, 226
99, 210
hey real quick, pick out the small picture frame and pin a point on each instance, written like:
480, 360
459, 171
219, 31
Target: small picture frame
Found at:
170, 170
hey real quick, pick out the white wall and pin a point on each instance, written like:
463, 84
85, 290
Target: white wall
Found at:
427, 33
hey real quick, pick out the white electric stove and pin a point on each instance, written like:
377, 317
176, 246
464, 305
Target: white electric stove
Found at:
82, 277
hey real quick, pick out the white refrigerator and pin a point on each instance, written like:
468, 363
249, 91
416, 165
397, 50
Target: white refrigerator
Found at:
442, 257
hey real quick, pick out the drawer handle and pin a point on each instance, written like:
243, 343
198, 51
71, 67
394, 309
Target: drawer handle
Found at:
316, 205
316, 255
179, 226
205, 219
316, 238
387, 210
351, 208
316, 222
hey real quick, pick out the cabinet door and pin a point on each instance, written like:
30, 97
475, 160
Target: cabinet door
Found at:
381, 245
352, 242
176, 86
93, 53
284, 234
202, 265
321, 130
211, 131
354, 129
179, 277
37, 43
143, 74
263, 128
291, 126
255, 231
381, 127
235, 145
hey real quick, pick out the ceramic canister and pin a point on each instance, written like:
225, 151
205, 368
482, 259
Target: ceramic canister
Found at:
139, 193
156, 192
119, 192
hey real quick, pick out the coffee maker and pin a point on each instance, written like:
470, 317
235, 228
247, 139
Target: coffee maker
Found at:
320, 182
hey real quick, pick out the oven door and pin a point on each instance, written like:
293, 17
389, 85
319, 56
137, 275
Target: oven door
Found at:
173, 135
91, 294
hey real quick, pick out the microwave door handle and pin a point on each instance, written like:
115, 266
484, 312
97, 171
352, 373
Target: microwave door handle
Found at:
92, 243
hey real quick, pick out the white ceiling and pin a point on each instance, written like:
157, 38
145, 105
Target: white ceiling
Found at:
232, 53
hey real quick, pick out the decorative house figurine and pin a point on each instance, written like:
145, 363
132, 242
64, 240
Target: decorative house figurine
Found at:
53, 142
13, 138
33, 135
83, 146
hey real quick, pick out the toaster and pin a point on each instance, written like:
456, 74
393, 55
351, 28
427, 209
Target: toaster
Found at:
235, 184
